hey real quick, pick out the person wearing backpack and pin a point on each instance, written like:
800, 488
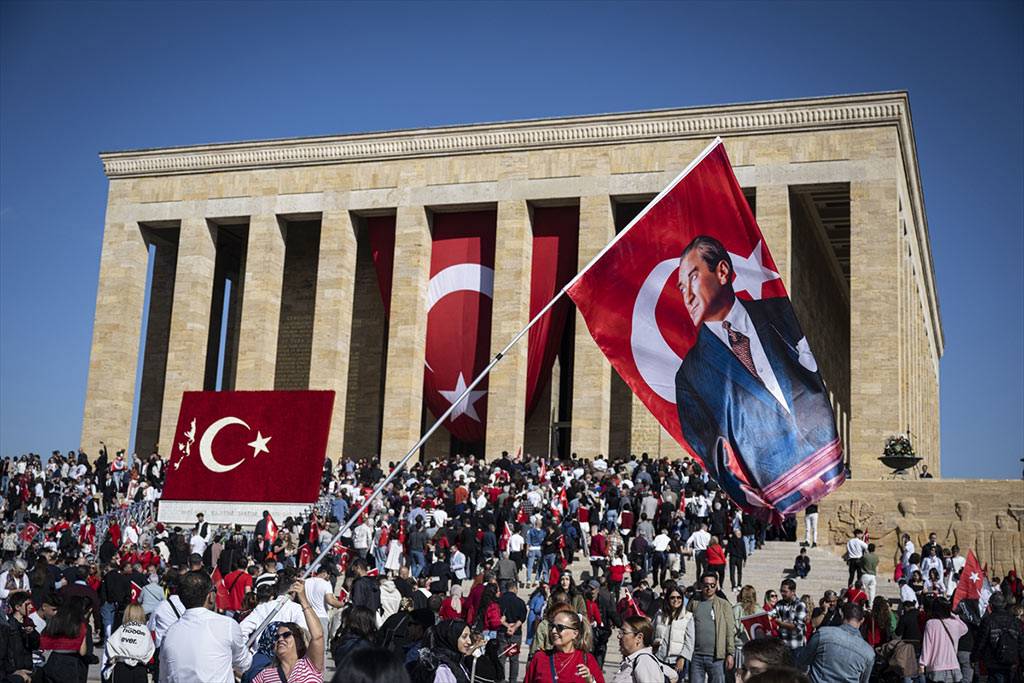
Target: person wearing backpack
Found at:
1000, 642
639, 665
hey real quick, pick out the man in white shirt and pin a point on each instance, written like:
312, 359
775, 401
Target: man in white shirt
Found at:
164, 616
361, 538
517, 548
855, 548
202, 645
907, 593
197, 544
698, 542
320, 595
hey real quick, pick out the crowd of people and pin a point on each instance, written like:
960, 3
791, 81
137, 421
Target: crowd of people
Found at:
458, 570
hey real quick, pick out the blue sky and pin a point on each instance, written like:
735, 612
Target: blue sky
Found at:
80, 78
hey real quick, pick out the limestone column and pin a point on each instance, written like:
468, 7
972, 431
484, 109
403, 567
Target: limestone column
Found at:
774, 219
506, 397
190, 321
646, 430
117, 328
874, 324
332, 319
407, 333
592, 379
261, 304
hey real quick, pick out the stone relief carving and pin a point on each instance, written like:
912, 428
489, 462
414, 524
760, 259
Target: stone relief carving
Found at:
853, 514
996, 537
1006, 546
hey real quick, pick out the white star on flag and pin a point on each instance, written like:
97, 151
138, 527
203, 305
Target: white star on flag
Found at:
975, 577
465, 406
751, 273
260, 444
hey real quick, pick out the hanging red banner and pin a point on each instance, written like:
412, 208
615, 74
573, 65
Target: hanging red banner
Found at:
459, 319
555, 241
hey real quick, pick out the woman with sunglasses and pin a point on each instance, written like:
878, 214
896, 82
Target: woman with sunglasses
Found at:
673, 633
569, 660
297, 659
770, 598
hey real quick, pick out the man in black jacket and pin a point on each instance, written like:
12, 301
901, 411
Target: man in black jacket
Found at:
1000, 642
19, 635
365, 589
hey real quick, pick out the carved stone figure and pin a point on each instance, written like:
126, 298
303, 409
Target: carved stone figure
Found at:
1006, 546
906, 523
967, 532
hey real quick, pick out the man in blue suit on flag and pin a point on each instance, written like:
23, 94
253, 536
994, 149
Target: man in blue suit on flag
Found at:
751, 402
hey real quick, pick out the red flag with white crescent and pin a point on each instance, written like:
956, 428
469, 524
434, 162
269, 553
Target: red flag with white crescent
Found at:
506, 534
759, 625
28, 532
690, 308
459, 319
249, 446
271, 533
135, 593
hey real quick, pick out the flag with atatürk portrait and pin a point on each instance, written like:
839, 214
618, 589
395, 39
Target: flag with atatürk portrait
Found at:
689, 307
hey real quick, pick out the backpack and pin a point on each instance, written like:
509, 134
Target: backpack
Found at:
1006, 646
669, 674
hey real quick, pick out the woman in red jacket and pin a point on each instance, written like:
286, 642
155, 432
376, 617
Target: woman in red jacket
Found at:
569, 660
716, 559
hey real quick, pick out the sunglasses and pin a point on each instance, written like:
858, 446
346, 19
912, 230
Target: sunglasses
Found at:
282, 635
559, 628
675, 597
712, 586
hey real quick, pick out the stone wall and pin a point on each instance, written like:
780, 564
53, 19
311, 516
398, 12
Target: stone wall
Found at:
298, 303
978, 514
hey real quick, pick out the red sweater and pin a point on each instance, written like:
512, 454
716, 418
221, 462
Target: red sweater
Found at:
715, 555
539, 668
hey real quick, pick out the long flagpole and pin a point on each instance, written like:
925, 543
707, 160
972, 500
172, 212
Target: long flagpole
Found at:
479, 378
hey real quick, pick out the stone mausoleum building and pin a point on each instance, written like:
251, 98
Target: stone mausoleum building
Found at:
247, 266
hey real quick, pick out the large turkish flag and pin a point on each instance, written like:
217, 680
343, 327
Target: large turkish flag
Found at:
459, 319
250, 446
714, 349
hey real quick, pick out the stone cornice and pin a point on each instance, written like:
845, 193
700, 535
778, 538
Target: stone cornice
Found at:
674, 124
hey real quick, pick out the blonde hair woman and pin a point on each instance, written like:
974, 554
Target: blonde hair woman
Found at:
129, 648
569, 660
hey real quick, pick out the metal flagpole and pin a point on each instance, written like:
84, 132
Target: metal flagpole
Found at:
479, 378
